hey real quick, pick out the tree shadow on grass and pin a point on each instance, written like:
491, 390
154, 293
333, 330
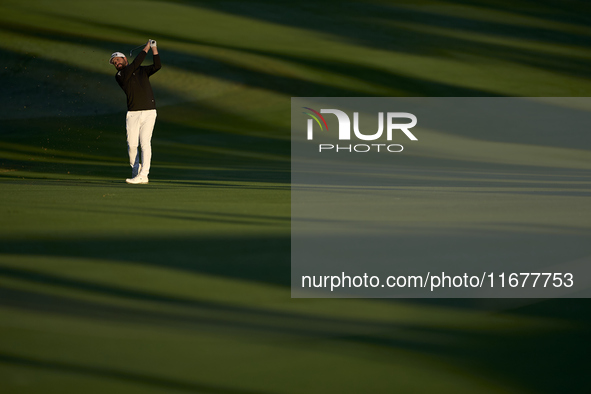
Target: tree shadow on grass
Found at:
375, 25
385, 82
513, 357
544, 363
102, 373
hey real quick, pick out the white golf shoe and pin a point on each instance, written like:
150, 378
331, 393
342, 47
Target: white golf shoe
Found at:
138, 180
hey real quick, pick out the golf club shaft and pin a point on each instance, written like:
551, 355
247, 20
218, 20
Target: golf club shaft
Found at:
138, 47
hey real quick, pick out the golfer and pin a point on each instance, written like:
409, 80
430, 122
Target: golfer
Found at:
141, 108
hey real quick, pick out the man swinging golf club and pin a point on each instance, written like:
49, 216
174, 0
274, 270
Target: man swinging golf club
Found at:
141, 108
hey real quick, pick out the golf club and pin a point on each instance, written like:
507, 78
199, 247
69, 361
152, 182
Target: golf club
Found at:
138, 47
131, 52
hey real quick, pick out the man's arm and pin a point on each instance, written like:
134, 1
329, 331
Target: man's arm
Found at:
126, 72
157, 65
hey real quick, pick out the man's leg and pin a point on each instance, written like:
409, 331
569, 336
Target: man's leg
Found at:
145, 134
133, 135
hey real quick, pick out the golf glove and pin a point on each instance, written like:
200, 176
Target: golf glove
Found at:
152, 43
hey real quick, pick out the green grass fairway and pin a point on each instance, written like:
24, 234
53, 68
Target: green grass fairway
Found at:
182, 285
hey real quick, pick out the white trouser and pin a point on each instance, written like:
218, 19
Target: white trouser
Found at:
140, 125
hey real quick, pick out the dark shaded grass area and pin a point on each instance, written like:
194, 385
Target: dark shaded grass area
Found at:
547, 361
542, 362
88, 146
373, 24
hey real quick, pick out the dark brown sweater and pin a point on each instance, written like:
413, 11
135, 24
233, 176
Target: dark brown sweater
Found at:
134, 80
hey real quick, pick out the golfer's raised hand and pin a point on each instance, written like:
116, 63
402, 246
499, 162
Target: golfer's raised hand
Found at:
147, 47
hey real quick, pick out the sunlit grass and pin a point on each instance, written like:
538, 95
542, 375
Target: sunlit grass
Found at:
183, 286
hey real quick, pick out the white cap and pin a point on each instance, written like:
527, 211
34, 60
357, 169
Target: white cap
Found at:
116, 54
